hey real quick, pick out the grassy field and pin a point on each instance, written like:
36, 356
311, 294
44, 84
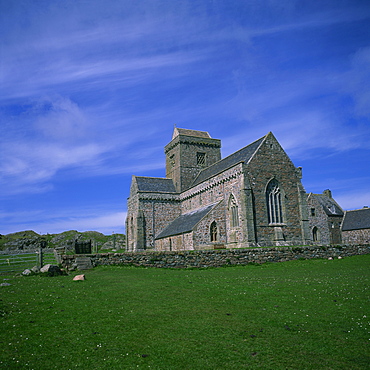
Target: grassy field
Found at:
311, 314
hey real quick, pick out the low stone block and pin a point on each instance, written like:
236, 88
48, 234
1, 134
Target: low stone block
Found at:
51, 269
79, 277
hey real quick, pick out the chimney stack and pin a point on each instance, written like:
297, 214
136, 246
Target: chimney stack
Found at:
327, 192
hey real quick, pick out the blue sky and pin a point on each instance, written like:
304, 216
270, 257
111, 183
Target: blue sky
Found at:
90, 92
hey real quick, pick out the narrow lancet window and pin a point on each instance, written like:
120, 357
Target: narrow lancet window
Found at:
315, 234
233, 212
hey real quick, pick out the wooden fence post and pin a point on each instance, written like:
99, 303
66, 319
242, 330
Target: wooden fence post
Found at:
95, 246
57, 257
39, 258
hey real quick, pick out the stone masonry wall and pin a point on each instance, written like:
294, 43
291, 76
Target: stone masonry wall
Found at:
217, 258
175, 243
158, 214
356, 236
202, 234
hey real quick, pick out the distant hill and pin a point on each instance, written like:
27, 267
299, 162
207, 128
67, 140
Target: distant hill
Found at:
29, 240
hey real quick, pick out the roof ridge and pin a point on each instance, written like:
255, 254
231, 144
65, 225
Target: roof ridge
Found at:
235, 154
189, 132
153, 177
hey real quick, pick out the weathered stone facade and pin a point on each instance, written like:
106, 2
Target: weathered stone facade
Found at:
254, 197
325, 218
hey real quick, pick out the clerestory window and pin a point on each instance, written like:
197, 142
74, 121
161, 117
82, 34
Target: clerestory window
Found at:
274, 203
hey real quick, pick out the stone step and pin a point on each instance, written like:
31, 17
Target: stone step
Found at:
83, 263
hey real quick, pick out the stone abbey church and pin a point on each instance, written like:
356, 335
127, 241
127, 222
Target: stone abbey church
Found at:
253, 197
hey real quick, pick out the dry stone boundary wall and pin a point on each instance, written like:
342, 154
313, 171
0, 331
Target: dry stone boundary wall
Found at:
216, 258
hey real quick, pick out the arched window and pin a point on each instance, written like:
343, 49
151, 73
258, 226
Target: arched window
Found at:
213, 231
274, 203
233, 212
315, 234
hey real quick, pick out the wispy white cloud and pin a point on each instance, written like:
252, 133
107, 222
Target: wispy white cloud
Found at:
57, 137
28, 167
358, 81
60, 118
130, 71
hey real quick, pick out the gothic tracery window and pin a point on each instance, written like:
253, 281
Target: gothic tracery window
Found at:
213, 231
233, 212
274, 202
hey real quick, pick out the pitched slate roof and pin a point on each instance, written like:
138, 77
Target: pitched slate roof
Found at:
186, 222
329, 205
242, 155
183, 131
357, 219
155, 184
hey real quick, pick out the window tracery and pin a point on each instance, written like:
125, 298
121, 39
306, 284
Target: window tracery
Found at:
274, 203
213, 231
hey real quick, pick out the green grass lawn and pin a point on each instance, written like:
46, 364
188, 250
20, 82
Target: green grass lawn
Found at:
312, 314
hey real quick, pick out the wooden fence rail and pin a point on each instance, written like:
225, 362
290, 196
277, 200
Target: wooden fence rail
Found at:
21, 261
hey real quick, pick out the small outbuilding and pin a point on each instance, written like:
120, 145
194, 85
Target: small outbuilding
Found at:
325, 218
356, 226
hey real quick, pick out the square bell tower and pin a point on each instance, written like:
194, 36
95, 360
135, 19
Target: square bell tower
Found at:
187, 154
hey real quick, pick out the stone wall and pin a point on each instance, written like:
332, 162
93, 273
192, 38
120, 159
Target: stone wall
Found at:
175, 243
356, 236
217, 258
